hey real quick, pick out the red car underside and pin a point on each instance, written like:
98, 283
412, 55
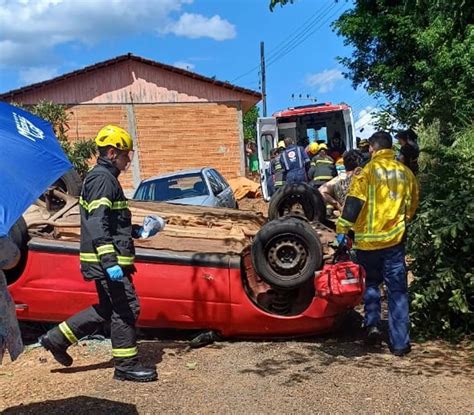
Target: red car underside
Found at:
177, 290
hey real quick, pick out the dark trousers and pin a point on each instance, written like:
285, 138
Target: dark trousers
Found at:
387, 266
118, 303
296, 176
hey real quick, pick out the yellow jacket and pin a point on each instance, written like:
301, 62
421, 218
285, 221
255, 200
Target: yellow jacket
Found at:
382, 198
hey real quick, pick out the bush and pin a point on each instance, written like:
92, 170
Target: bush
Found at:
79, 152
441, 239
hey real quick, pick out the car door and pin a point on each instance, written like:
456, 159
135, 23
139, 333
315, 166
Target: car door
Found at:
227, 193
350, 130
216, 188
267, 135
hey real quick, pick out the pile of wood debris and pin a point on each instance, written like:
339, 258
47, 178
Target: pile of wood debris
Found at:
188, 228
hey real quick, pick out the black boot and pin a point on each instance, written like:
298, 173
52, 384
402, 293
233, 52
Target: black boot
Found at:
374, 336
59, 353
136, 374
401, 352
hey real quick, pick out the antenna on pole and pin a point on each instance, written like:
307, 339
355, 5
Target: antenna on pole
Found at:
262, 71
303, 97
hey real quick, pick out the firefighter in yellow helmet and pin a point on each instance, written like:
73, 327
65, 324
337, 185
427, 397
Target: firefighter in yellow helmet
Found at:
107, 255
322, 167
277, 172
312, 149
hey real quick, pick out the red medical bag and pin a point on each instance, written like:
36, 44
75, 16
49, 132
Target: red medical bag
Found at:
341, 282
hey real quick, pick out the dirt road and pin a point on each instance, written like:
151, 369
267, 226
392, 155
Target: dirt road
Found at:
335, 374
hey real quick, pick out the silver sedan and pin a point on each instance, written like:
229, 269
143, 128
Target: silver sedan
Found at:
199, 187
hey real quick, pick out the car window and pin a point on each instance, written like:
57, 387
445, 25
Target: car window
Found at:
214, 181
172, 188
223, 181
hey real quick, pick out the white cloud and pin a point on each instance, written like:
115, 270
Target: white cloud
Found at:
35, 74
196, 25
326, 80
184, 65
31, 29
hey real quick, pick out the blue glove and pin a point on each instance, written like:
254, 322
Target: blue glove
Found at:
115, 273
341, 239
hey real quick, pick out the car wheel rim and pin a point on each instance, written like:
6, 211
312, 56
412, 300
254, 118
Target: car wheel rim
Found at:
57, 203
286, 255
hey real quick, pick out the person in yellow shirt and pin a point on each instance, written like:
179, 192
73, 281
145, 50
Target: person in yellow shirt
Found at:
382, 199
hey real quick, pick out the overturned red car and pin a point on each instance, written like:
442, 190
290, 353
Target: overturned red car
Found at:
224, 270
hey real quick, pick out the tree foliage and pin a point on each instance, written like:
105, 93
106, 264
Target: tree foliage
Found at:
441, 238
418, 54
273, 3
250, 124
80, 152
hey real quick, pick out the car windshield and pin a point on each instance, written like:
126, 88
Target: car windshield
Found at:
172, 188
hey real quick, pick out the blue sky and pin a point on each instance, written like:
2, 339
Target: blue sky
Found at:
41, 39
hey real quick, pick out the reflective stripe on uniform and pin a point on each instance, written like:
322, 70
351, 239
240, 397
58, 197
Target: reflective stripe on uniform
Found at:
130, 352
66, 330
371, 209
344, 222
125, 260
380, 236
323, 161
299, 157
103, 201
122, 204
105, 249
93, 258
285, 161
322, 178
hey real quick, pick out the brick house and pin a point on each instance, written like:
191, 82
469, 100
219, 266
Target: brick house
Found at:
178, 119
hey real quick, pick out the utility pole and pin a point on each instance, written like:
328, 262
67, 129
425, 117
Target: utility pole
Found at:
262, 71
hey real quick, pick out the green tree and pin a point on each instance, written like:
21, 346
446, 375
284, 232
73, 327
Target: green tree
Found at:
441, 238
79, 152
273, 3
250, 124
418, 54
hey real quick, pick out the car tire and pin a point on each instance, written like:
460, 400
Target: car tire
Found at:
70, 183
286, 253
285, 199
19, 235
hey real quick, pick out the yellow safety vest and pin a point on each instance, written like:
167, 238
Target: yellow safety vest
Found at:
389, 191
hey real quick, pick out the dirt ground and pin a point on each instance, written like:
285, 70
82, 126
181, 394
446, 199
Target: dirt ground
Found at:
330, 374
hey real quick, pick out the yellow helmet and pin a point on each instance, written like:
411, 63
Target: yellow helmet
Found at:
322, 146
114, 136
313, 148
363, 143
281, 144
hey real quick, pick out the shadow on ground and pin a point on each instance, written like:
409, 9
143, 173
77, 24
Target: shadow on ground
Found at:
150, 352
310, 356
75, 405
316, 355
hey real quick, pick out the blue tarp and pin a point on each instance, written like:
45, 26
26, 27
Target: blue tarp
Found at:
31, 159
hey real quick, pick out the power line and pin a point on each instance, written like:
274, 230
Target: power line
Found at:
361, 104
291, 47
316, 18
296, 34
